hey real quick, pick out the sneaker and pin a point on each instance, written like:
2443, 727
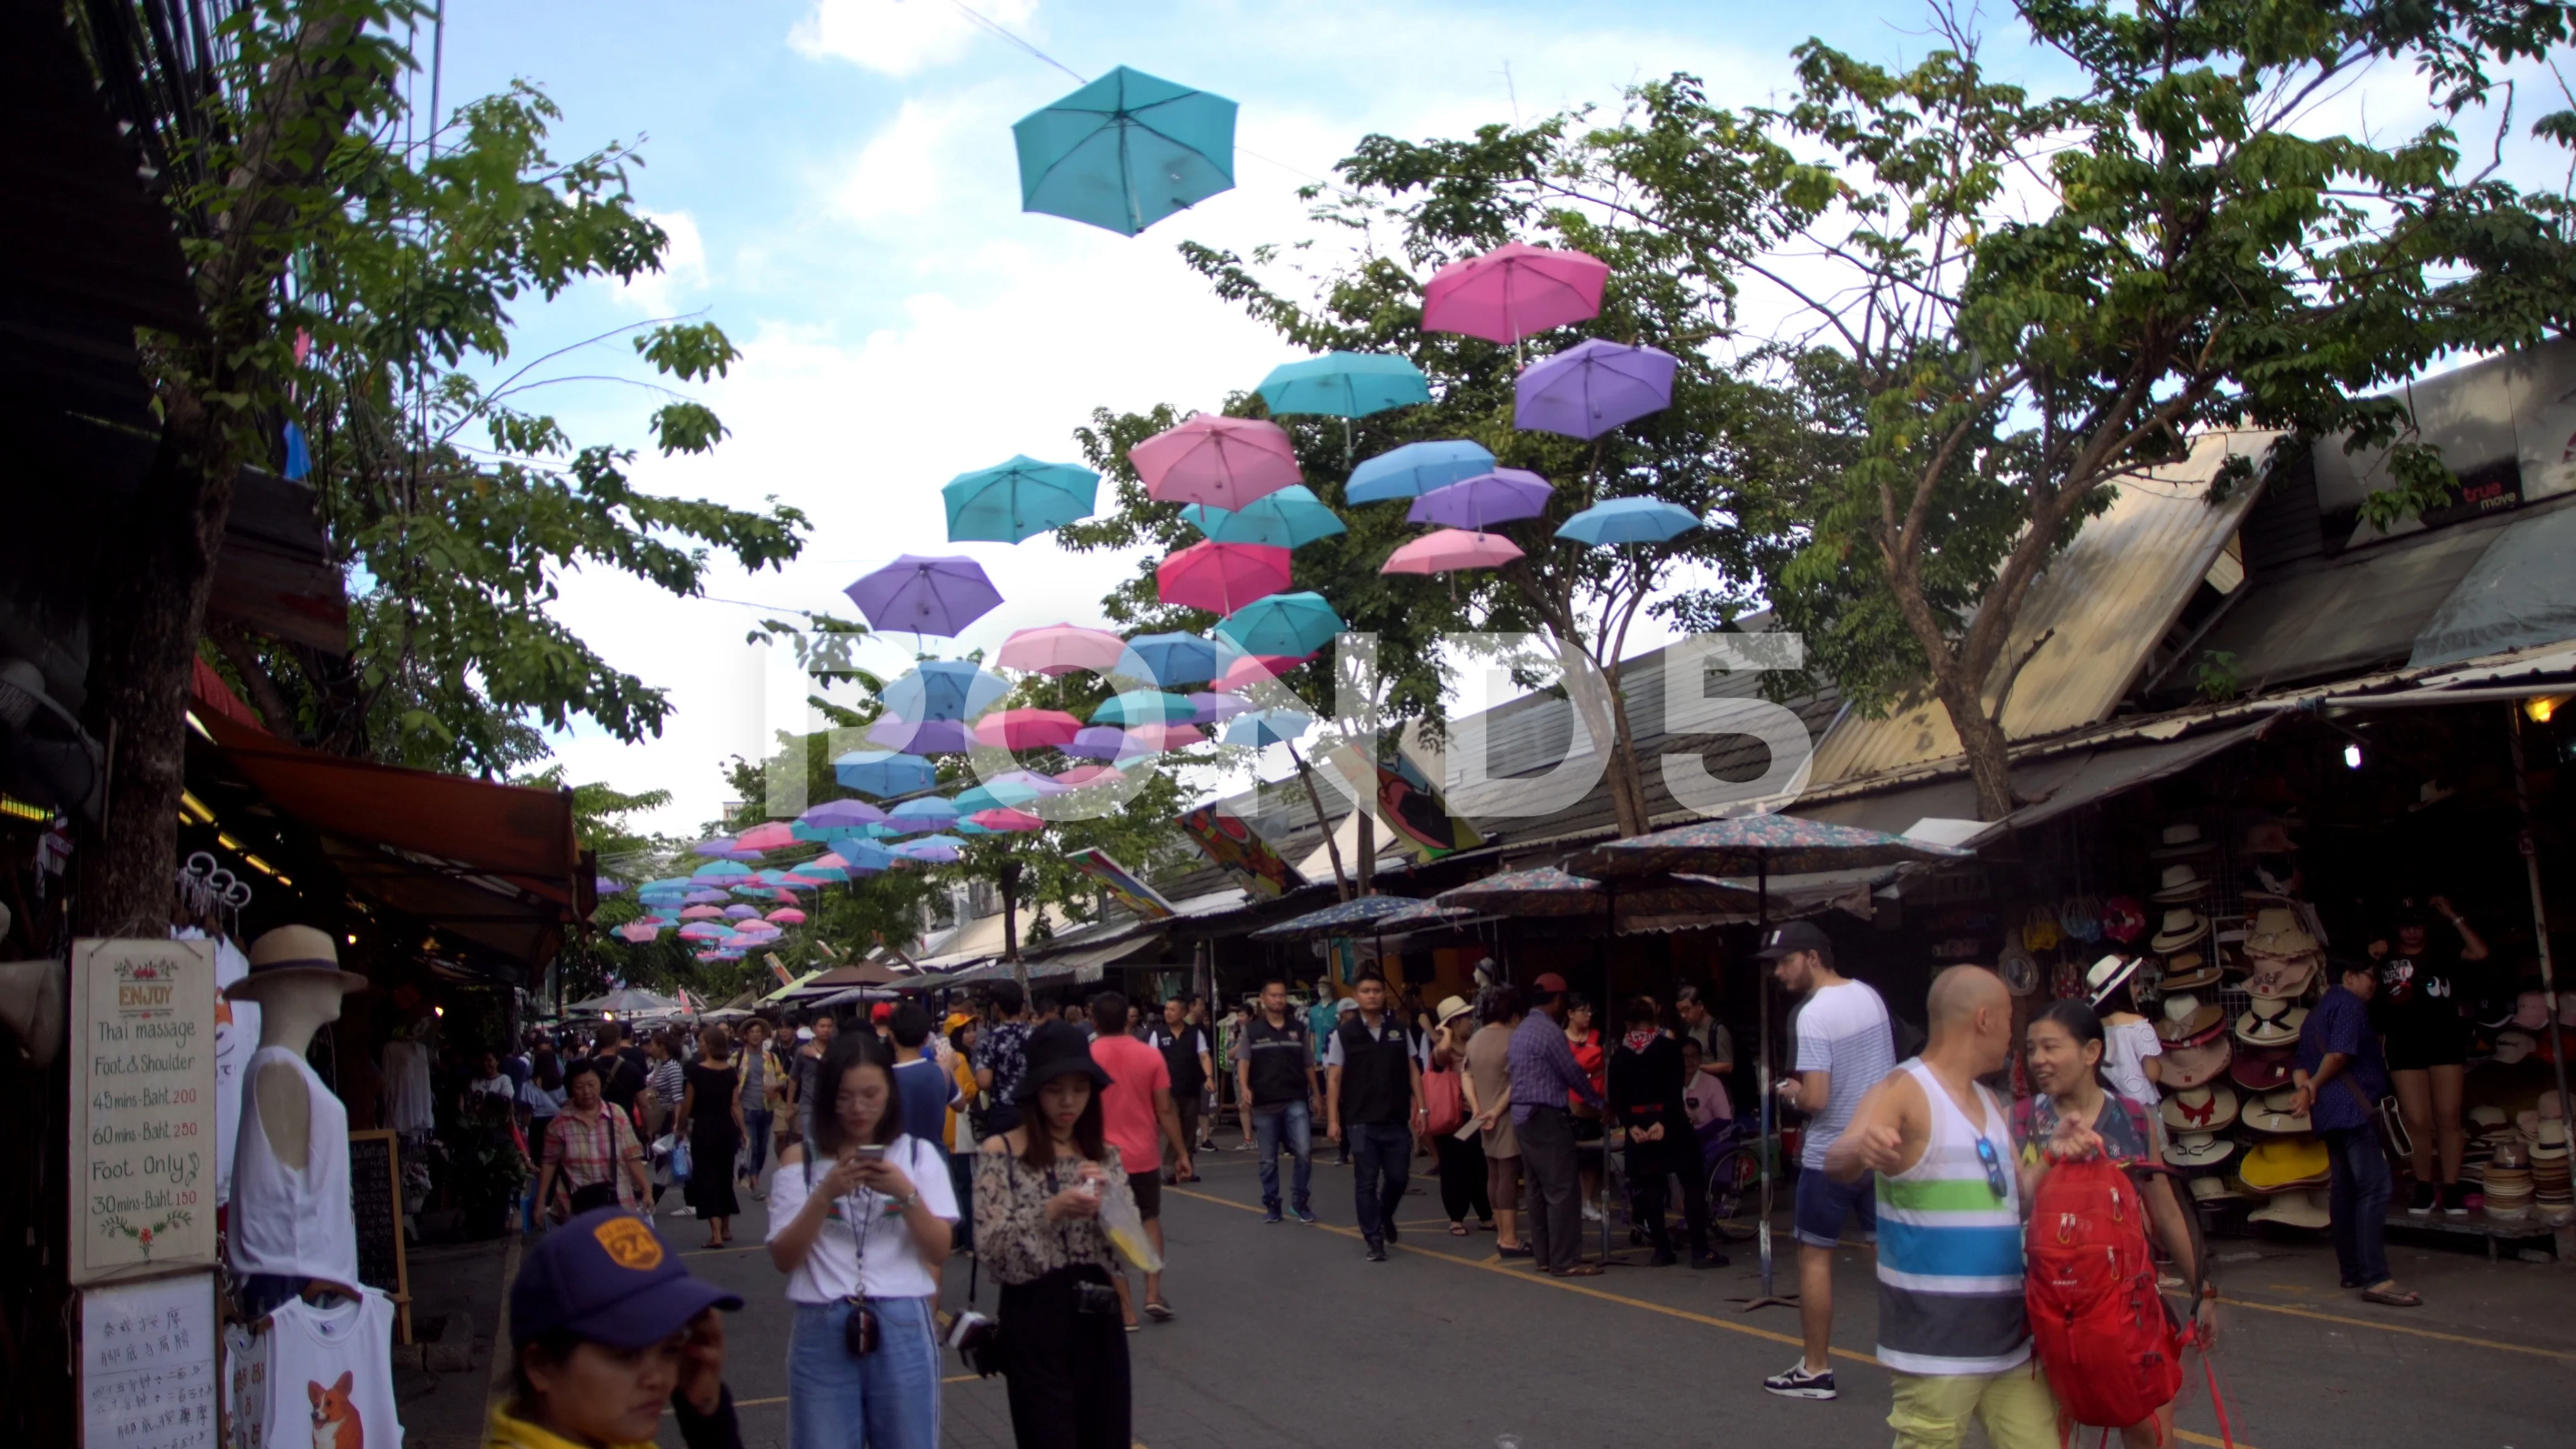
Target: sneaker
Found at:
1302, 1214
1391, 1234
2455, 1204
2427, 1198
1377, 1252
1271, 1216
1591, 1213
1797, 1383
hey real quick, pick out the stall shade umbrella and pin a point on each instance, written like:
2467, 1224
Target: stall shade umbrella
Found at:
1060, 649
1267, 727
944, 689
1628, 520
883, 773
1592, 387
1221, 461
1451, 550
1415, 469
917, 594
1167, 660
1290, 518
1344, 385
1365, 916
1475, 503
1299, 623
1012, 501
1760, 846
1513, 291
920, 737
1125, 151
1221, 577
1026, 729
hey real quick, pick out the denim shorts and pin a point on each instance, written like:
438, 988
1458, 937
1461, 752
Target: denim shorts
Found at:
1824, 1205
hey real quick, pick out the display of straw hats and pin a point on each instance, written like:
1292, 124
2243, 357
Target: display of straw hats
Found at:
2198, 1149
2213, 1188
2180, 882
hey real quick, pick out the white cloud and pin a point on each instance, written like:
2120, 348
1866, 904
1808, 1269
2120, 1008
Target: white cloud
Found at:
900, 37
684, 269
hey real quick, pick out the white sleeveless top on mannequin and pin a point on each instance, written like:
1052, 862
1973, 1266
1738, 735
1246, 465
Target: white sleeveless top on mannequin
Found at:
290, 1220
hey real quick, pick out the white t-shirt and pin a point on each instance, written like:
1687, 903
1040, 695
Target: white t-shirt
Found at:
831, 1271
319, 1377
2124, 1058
1842, 1030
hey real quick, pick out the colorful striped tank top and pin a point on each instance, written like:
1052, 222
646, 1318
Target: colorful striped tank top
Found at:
1949, 1248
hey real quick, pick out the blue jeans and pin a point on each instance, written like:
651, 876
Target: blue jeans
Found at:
1268, 1123
887, 1400
2358, 1198
1381, 1162
755, 1129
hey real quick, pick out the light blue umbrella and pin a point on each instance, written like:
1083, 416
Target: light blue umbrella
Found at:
720, 873
1010, 501
1283, 624
1344, 385
811, 871
1415, 469
995, 795
1142, 707
866, 857
1125, 151
1266, 727
1171, 659
883, 772
1629, 520
1289, 518
944, 689
932, 849
930, 810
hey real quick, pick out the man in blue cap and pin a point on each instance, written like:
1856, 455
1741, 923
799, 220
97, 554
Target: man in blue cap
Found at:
607, 1327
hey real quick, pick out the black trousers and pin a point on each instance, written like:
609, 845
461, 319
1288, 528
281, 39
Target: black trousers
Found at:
1649, 1163
1067, 1371
1555, 1192
1462, 1178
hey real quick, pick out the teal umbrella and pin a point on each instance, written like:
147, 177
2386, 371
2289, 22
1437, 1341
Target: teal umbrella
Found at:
1416, 469
1267, 727
1629, 520
1282, 624
1344, 385
1289, 518
1010, 501
1144, 706
1125, 151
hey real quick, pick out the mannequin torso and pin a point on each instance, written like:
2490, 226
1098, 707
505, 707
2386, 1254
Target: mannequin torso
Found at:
290, 1013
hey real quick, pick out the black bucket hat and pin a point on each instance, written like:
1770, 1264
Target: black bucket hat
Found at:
1058, 1049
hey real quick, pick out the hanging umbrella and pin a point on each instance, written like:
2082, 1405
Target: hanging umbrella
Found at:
1415, 469
944, 689
787, 916
1267, 727
1628, 520
739, 913
1011, 501
704, 931
863, 857
1178, 736
1344, 385
1221, 577
1451, 550
921, 737
722, 848
831, 874
1590, 388
1105, 742
1000, 794
1082, 775
1143, 706
1290, 518
1761, 846
1026, 729
928, 808
720, 873
701, 913
667, 883
638, 932
1512, 292
923, 595
1208, 708
1007, 821
1227, 462
702, 897
1250, 669
1125, 151
1060, 649
1300, 623
1036, 784
841, 813
773, 835
1473, 503
933, 849
882, 773
1166, 660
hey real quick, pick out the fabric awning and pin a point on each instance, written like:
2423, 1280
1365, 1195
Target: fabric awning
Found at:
2518, 595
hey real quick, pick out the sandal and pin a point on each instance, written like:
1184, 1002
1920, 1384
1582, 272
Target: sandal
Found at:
1580, 1270
1158, 1310
1457, 1230
1517, 1250
2393, 1296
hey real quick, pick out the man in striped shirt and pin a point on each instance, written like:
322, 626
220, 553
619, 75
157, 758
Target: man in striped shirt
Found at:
1952, 1328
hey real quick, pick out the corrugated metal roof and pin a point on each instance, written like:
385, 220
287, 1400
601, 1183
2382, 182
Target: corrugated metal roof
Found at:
2110, 597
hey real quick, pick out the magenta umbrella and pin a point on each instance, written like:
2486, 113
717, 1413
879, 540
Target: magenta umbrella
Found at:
1081, 775
1450, 550
1513, 291
922, 595
1027, 729
1250, 669
701, 913
1496, 497
1061, 649
1007, 821
1221, 577
1168, 736
1224, 462
772, 836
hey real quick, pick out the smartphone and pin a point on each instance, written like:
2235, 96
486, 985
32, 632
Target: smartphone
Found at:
869, 1152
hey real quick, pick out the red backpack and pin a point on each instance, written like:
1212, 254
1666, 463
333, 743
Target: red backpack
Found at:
2113, 1354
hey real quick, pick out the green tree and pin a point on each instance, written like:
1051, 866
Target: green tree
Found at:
2018, 298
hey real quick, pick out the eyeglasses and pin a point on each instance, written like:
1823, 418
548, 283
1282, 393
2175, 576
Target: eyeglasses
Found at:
1994, 1169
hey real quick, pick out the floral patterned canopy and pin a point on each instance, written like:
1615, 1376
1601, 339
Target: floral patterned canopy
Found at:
1756, 845
1548, 891
1366, 916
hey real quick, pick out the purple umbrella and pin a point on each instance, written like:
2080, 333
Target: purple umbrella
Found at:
1106, 742
1589, 389
924, 737
1214, 708
703, 898
1471, 503
739, 913
843, 813
922, 595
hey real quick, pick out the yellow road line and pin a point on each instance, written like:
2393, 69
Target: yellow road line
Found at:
782, 1398
2384, 1327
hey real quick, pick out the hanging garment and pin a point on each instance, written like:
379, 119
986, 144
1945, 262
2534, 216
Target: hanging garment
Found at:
294, 1221
236, 1038
410, 1106
315, 1377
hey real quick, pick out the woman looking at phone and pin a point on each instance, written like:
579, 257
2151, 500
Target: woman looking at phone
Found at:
859, 1220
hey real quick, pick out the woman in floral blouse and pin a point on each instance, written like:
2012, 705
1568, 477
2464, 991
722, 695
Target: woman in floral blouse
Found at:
1038, 1194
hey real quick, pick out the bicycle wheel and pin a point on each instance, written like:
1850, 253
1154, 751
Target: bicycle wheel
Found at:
1735, 1185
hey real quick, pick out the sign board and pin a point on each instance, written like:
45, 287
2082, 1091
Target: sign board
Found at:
147, 1363
1246, 858
1124, 886
143, 1140
375, 1199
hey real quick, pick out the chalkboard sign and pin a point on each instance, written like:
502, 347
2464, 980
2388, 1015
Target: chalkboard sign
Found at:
375, 1195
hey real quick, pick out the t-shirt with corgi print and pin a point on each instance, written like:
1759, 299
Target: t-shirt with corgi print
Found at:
323, 1378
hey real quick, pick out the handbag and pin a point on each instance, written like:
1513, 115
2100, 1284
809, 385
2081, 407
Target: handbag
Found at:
2393, 1135
1442, 1101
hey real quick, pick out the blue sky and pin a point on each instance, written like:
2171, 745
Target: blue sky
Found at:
838, 179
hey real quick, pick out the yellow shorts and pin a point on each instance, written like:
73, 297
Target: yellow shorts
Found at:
1932, 1411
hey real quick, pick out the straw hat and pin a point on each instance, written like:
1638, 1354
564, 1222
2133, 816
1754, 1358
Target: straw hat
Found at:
2271, 1113
1450, 1009
2281, 1163
2201, 1109
2182, 838
2302, 1209
2285, 980
2194, 1066
2188, 971
2269, 837
2186, 1021
290, 954
2106, 975
2180, 883
2198, 1149
2212, 1188
2181, 928
2263, 1068
2271, 1022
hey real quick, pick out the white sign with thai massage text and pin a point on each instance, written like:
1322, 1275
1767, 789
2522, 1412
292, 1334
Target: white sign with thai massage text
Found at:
143, 1108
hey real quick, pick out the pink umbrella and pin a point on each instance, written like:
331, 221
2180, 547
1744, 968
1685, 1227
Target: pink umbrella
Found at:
1168, 736
1061, 649
1081, 775
773, 836
1027, 729
1449, 550
1251, 669
1008, 821
701, 913
1225, 462
793, 881
1221, 577
1513, 291
639, 931
829, 860
787, 916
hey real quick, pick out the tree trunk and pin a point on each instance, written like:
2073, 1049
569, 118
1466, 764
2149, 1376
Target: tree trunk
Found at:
1332, 847
1367, 835
1982, 739
1008, 879
1605, 718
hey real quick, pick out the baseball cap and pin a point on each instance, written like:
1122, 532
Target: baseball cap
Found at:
607, 1277
882, 1011
1548, 985
1791, 937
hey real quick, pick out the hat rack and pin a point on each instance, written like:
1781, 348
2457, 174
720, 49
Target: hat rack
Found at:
210, 895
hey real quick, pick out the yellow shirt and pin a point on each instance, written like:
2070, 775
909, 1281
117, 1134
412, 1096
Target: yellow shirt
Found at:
965, 1075
507, 1432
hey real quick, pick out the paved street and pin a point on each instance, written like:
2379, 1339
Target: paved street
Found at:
1287, 1337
